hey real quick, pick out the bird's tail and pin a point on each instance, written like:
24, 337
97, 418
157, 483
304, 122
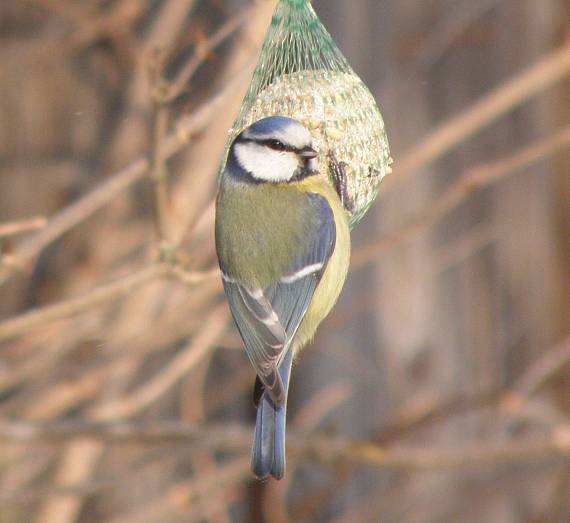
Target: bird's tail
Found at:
268, 452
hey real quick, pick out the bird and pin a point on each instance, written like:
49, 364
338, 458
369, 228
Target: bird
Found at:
283, 247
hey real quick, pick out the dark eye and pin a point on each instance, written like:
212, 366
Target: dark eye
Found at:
276, 145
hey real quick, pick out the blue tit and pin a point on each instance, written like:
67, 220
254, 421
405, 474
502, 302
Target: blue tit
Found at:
283, 246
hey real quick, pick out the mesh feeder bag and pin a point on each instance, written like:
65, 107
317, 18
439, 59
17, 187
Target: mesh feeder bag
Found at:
301, 73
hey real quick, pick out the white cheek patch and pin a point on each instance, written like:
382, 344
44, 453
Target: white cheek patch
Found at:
266, 164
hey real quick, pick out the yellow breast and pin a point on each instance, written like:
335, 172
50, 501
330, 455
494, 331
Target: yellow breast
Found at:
331, 283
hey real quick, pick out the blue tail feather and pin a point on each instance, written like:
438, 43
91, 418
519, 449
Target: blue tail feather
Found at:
268, 452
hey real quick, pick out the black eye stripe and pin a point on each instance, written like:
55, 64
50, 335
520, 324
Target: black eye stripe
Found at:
272, 143
276, 145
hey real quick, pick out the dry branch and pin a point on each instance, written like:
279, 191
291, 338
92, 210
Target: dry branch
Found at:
35, 318
198, 489
20, 227
77, 212
201, 496
475, 178
180, 83
551, 69
102, 294
163, 93
179, 367
456, 20
331, 450
158, 176
66, 508
513, 400
545, 369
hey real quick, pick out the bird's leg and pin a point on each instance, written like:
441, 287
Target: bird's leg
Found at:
258, 390
340, 181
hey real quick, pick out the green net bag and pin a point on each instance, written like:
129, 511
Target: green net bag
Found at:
301, 73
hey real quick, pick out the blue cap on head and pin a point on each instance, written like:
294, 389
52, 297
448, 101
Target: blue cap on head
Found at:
287, 130
271, 124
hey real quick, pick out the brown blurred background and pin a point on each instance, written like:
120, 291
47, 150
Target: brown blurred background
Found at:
437, 391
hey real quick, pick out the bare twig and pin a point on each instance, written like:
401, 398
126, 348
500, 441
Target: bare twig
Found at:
218, 483
456, 20
29, 367
76, 213
511, 400
180, 83
327, 449
90, 203
322, 403
545, 369
91, 28
491, 172
102, 294
169, 20
35, 318
162, 94
209, 484
533, 80
192, 278
76, 465
158, 171
20, 227
475, 178
433, 410
179, 367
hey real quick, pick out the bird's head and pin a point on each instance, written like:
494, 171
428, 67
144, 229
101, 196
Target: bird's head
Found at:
276, 149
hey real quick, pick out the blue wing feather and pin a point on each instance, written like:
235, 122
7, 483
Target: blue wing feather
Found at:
268, 318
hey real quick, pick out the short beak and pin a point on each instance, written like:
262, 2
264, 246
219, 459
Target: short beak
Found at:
308, 153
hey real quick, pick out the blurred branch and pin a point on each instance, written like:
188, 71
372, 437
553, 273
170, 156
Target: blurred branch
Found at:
93, 26
104, 293
542, 371
180, 83
20, 227
326, 449
154, 388
559, 506
75, 214
158, 170
411, 419
551, 69
205, 486
200, 496
79, 459
475, 178
456, 20
162, 94
512, 400
35, 318
185, 492
322, 403
83, 208
56, 347
192, 278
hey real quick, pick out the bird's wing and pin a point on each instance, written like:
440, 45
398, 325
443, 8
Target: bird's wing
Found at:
268, 318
